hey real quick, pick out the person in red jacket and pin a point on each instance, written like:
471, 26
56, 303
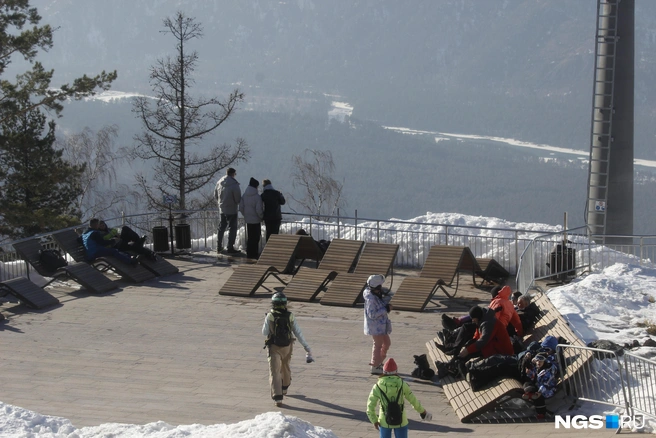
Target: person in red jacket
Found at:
491, 336
501, 304
507, 313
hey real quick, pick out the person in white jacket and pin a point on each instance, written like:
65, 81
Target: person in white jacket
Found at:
280, 345
252, 208
376, 321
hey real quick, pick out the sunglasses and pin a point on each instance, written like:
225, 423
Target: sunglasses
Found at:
541, 358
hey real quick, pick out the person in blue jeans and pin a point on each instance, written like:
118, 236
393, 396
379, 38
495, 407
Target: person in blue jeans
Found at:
96, 245
228, 194
386, 389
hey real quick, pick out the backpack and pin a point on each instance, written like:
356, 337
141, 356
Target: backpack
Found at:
51, 259
282, 329
392, 409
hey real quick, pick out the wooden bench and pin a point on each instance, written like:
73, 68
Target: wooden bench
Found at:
490, 271
69, 243
28, 293
276, 258
81, 273
441, 269
470, 405
308, 249
347, 288
340, 257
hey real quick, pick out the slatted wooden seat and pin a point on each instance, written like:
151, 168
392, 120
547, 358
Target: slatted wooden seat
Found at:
346, 289
308, 282
28, 293
490, 271
441, 269
276, 258
308, 250
469, 405
81, 273
69, 243
160, 267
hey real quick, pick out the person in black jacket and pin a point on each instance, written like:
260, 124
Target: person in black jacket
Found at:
272, 200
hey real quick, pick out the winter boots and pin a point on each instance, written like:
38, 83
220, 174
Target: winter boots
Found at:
377, 370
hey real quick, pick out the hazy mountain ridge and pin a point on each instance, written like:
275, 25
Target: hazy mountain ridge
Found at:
387, 174
517, 68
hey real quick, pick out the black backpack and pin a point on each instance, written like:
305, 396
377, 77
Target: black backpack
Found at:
393, 409
282, 330
51, 260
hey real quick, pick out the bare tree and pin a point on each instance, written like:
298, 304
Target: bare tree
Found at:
100, 191
312, 173
174, 128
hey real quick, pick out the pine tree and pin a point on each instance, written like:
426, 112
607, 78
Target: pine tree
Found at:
174, 128
38, 188
21, 36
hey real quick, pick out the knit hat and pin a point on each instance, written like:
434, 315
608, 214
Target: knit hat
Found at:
390, 367
253, 182
476, 312
517, 294
495, 291
550, 342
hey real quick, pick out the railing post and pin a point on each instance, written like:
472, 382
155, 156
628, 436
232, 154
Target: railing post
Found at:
516, 251
378, 231
205, 213
339, 235
641, 249
356, 225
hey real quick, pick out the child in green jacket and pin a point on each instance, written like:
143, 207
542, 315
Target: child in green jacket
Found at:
386, 389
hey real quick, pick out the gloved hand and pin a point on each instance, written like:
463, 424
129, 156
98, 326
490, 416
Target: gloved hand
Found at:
308, 357
426, 416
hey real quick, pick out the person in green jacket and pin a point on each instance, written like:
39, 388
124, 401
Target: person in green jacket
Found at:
386, 389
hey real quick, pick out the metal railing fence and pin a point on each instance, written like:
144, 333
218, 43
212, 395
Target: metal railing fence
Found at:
529, 254
624, 381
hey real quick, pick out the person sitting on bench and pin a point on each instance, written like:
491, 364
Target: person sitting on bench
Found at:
96, 246
126, 240
490, 338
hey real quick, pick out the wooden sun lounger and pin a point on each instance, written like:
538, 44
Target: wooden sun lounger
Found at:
346, 289
308, 282
28, 293
490, 271
469, 405
441, 269
69, 243
308, 250
278, 257
81, 273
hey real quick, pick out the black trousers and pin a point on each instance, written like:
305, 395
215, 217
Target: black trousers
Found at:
272, 227
253, 236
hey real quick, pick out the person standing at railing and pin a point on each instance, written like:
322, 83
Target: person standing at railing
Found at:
228, 195
272, 200
252, 208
